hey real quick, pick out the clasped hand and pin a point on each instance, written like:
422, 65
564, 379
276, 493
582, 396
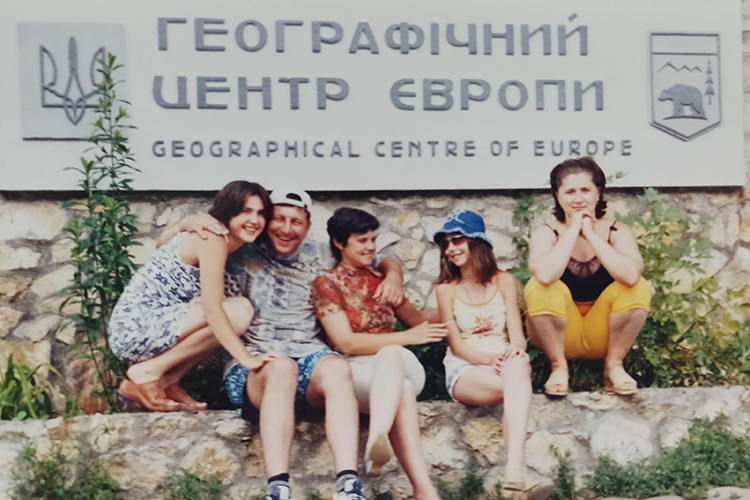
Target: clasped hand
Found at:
513, 351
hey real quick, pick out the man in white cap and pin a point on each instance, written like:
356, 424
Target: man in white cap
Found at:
277, 277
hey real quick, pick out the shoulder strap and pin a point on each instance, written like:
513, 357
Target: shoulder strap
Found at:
611, 228
557, 235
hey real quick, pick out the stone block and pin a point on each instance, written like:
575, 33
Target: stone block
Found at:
11, 287
37, 220
728, 493
211, 457
431, 263
406, 220
485, 437
61, 250
438, 202
164, 217
500, 218
31, 354
384, 240
319, 216
542, 449
9, 318
503, 246
624, 438
38, 328
18, 258
409, 252
53, 282
745, 223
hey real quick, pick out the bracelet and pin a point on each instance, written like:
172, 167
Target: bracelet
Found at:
449, 322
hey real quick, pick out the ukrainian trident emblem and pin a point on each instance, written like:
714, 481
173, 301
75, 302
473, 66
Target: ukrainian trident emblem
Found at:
685, 83
72, 91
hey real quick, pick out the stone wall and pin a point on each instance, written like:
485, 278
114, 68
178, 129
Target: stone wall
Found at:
35, 256
140, 449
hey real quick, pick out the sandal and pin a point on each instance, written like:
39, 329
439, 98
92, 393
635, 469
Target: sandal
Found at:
151, 395
178, 395
380, 454
555, 386
618, 381
516, 490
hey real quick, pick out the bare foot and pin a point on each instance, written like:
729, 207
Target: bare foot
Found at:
139, 375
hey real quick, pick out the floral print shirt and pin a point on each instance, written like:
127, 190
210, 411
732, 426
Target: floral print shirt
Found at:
352, 291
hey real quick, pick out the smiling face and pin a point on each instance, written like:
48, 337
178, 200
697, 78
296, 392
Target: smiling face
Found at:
457, 249
359, 250
578, 193
288, 229
246, 226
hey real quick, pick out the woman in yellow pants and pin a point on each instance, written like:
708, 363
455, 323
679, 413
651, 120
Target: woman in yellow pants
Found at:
586, 298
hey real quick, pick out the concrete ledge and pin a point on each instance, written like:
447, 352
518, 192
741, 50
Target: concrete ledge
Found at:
139, 449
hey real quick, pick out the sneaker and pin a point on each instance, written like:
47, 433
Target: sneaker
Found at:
348, 488
278, 490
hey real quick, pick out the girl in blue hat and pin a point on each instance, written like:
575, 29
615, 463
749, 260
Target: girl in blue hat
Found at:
486, 363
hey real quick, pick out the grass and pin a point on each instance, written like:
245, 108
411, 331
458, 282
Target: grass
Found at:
56, 476
709, 456
186, 486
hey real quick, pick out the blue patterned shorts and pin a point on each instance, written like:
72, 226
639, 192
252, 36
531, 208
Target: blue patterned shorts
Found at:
237, 378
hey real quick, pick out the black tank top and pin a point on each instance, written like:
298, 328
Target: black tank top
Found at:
586, 280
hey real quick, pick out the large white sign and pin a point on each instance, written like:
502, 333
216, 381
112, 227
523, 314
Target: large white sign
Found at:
341, 95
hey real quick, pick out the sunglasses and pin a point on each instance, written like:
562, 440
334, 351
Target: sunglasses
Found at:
456, 239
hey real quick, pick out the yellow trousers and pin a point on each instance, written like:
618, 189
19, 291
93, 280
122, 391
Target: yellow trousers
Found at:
587, 329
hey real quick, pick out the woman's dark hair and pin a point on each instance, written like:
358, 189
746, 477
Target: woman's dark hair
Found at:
230, 201
481, 259
346, 222
575, 166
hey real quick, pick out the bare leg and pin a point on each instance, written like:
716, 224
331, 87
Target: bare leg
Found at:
551, 332
272, 389
623, 330
482, 387
407, 445
331, 387
385, 393
196, 339
517, 376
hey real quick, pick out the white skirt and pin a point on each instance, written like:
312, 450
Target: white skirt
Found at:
363, 368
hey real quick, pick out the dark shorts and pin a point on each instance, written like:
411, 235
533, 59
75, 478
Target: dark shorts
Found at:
237, 379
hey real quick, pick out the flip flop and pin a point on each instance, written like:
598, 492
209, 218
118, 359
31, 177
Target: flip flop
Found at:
556, 388
380, 454
516, 490
623, 384
151, 395
178, 395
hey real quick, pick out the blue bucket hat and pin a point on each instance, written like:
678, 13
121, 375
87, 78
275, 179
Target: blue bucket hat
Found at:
467, 223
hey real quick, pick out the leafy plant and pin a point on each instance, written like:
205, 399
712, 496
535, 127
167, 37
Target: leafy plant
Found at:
565, 480
56, 476
708, 456
690, 337
22, 396
187, 486
103, 235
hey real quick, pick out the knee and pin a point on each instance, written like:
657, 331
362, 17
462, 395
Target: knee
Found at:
391, 354
335, 372
281, 369
519, 366
240, 312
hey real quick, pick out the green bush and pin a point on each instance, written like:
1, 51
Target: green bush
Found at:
565, 480
103, 234
708, 456
57, 476
21, 395
186, 486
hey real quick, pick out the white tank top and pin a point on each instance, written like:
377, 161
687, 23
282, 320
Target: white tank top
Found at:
482, 325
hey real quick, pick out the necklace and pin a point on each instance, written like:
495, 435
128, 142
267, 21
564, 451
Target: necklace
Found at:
474, 295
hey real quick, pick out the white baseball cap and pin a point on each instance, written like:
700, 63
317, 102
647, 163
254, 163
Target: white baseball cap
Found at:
291, 196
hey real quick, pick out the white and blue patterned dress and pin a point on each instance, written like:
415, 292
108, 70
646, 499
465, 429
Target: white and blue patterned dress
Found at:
146, 320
